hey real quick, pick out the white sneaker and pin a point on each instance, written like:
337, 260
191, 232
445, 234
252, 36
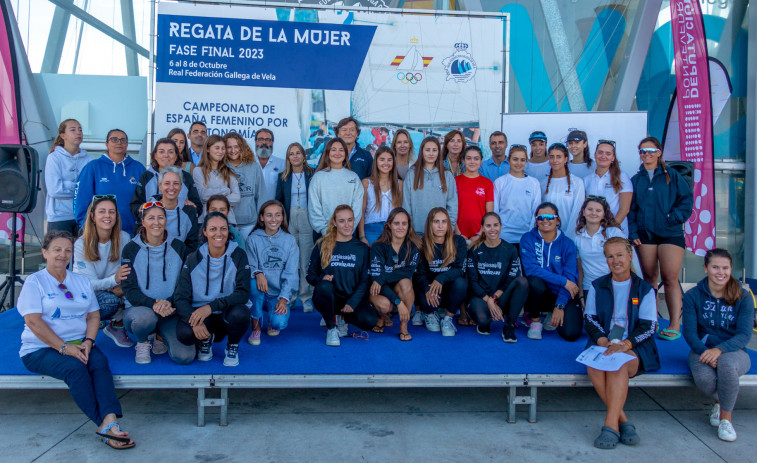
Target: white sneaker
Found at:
323, 322
715, 415
332, 337
548, 323
448, 327
534, 332
726, 431
432, 321
341, 325
417, 318
143, 353
232, 355
307, 306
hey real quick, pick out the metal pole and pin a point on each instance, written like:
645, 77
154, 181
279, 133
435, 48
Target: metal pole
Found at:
151, 79
750, 208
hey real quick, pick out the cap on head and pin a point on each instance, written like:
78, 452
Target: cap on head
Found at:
577, 135
538, 135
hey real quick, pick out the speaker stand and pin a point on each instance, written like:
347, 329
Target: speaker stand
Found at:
9, 285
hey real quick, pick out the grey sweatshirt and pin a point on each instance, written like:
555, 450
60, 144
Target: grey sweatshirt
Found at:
252, 191
329, 189
420, 202
154, 271
277, 257
216, 186
61, 171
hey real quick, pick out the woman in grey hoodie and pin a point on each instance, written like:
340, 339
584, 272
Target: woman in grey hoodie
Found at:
62, 167
214, 176
251, 183
428, 185
274, 258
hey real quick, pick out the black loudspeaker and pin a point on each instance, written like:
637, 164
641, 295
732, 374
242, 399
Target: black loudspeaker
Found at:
19, 178
685, 169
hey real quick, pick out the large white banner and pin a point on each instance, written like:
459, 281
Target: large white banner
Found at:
298, 71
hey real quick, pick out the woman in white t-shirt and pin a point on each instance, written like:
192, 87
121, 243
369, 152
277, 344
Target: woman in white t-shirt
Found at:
516, 197
612, 183
61, 318
563, 189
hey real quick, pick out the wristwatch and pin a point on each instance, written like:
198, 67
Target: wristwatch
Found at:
90, 340
560, 306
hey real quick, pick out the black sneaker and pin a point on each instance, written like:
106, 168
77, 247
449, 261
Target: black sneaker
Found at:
484, 329
508, 333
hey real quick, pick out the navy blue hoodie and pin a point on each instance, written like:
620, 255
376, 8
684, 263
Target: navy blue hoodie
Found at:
554, 262
709, 322
659, 207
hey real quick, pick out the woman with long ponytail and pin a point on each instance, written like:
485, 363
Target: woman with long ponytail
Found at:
563, 189
609, 182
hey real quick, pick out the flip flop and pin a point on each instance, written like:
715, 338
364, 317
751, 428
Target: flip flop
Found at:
377, 329
465, 321
387, 320
607, 439
661, 334
628, 435
405, 337
106, 438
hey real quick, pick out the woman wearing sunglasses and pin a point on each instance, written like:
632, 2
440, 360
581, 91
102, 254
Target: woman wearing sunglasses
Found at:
61, 321
155, 260
563, 189
97, 255
662, 202
114, 173
181, 218
610, 182
549, 261
516, 197
165, 154
394, 257
213, 293
62, 167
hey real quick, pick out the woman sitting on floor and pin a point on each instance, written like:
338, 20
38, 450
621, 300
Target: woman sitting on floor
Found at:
97, 255
339, 272
61, 318
155, 260
213, 293
394, 257
621, 314
498, 289
439, 280
717, 325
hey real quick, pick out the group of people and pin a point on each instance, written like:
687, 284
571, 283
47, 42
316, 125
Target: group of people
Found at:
209, 238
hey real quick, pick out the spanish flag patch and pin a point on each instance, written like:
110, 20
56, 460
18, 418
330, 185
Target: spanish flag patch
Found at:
635, 301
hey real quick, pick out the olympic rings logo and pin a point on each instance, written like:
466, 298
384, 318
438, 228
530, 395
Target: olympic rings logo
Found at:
409, 77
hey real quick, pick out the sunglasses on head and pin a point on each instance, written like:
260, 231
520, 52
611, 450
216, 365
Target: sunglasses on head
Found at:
543, 217
150, 204
66, 292
606, 142
516, 145
103, 197
643, 151
600, 199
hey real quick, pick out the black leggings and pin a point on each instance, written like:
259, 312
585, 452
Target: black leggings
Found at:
453, 296
329, 304
232, 323
542, 300
511, 302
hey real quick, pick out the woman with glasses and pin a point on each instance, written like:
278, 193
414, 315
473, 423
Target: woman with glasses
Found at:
114, 173
181, 218
61, 319
452, 152
213, 293
429, 185
402, 144
516, 196
717, 325
155, 261
621, 314
292, 192
165, 154
498, 290
97, 255
440, 279
333, 184
62, 167
549, 262
578, 146
179, 136
394, 257
214, 176
383, 193
596, 225
475, 194
610, 182
563, 189
252, 187
662, 202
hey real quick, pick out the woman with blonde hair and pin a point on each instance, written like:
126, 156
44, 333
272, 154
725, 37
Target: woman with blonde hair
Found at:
241, 160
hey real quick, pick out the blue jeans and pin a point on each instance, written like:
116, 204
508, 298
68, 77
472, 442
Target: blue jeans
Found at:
143, 321
109, 304
373, 231
262, 301
90, 384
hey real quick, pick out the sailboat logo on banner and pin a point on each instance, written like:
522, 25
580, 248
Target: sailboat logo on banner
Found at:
411, 64
460, 66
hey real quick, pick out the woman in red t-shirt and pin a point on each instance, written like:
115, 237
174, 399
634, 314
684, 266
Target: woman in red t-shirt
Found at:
475, 194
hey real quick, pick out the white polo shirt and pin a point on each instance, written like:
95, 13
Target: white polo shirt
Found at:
273, 168
66, 317
602, 186
590, 249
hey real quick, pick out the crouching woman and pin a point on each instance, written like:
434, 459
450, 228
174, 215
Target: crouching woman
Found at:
621, 314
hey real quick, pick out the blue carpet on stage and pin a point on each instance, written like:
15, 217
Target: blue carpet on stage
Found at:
300, 349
